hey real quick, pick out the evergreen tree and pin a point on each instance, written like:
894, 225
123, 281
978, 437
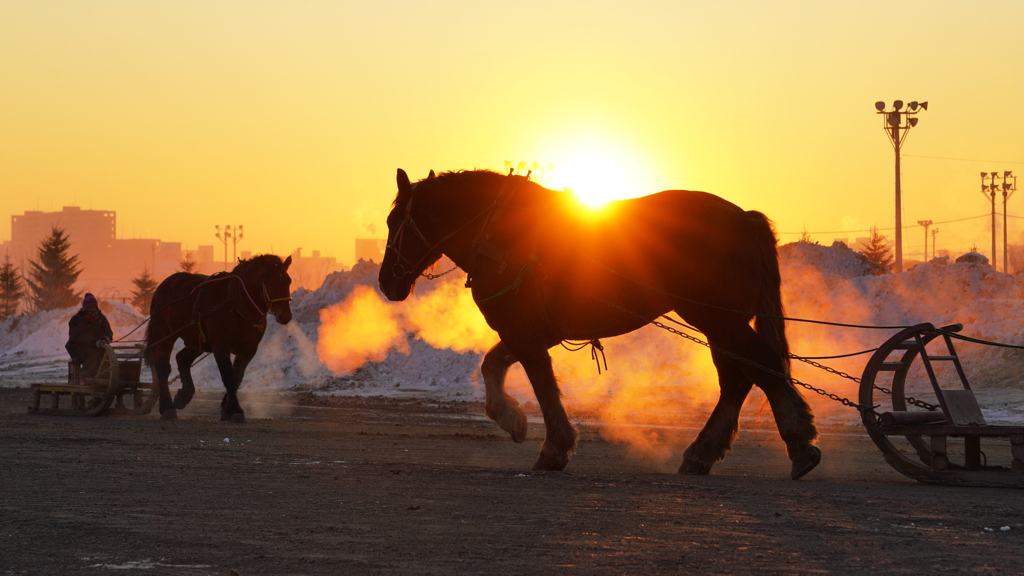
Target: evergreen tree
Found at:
145, 285
188, 263
52, 277
805, 237
12, 289
878, 252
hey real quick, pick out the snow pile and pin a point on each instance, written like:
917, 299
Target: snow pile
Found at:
651, 371
32, 346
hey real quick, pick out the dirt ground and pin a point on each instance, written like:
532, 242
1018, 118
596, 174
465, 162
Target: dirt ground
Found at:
374, 486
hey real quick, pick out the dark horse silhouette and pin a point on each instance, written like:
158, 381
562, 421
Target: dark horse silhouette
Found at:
544, 270
223, 314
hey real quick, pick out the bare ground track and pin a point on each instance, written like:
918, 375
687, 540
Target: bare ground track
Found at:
375, 486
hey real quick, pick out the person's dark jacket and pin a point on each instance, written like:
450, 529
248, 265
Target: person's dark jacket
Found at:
84, 329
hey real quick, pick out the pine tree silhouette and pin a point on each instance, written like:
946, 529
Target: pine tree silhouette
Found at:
879, 252
52, 277
142, 296
12, 289
188, 263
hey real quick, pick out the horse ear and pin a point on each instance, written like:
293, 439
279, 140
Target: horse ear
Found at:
403, 182
431, 175
287, 262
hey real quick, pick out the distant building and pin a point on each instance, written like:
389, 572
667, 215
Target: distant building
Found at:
370, 249
309, 272
108, 263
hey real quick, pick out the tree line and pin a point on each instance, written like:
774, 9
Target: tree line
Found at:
49, 284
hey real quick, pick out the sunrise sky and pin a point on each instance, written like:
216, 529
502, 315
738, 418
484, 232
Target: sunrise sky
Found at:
291, 117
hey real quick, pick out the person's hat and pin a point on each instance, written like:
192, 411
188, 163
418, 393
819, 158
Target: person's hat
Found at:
88, 299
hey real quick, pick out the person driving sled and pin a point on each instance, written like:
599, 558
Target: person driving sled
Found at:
85, 328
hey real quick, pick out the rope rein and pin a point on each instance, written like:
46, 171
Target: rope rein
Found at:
266, 296
401, 271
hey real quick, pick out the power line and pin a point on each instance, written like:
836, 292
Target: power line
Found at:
959, 159
893, 227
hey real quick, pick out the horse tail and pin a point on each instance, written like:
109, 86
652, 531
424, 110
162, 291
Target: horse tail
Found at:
156, 306
770, 322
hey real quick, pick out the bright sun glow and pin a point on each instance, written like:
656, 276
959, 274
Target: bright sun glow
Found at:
598, 174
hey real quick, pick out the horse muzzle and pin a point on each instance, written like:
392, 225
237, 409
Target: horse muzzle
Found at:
395, 290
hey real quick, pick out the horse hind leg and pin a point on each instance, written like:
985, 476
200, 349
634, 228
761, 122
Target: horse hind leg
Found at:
718, 434
793, 416
500, 406
185, 358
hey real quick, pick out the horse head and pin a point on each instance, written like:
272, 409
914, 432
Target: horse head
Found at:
277, 289
409, 252
266, 279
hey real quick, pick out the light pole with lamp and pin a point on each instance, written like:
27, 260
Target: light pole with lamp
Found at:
897, 123
926, 224
1008, 190
989, 192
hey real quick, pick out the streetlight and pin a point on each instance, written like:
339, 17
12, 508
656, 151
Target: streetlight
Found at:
926, 224
989, 192
935, 232
897, 123
226, 234
1008, 190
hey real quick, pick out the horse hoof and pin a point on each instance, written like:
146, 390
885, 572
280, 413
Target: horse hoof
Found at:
694, 468
509, 417
805, 462
551, 459
238, 418
181, 401
169, 414
518, 433
550, 464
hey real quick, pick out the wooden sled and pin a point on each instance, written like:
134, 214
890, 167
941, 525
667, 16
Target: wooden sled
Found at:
115, 389
936, 438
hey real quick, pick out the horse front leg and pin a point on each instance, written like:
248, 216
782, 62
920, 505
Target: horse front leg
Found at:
500, 406
242, 360
161, 367
229, 408
560, 438
718, 434
185, 358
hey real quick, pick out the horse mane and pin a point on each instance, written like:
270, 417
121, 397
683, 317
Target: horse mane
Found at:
260, 261
470, 179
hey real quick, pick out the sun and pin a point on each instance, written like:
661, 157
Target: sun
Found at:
598, 173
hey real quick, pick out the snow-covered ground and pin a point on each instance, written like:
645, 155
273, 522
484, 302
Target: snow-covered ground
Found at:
346, 340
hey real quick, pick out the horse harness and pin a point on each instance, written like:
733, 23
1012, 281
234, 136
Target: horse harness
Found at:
486, 248
258, 322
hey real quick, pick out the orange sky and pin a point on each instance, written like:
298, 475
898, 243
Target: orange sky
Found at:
291, 117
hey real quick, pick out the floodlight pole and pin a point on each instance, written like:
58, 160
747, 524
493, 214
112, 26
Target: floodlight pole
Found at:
223, 236
989, 192
897, 123
1008, 190
926, 224
234, 242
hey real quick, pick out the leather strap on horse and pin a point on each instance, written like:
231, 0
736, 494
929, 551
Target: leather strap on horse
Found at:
595, 348
482, 240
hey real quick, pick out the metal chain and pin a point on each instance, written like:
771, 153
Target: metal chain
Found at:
429, 276
837, 398
841, 374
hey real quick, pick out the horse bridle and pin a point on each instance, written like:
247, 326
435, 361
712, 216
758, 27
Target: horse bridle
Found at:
271, 301
399, 269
